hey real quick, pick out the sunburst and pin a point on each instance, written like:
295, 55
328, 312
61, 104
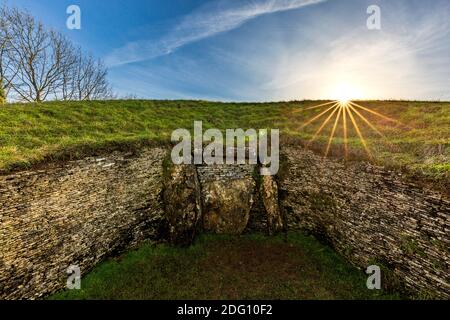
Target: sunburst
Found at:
344, 111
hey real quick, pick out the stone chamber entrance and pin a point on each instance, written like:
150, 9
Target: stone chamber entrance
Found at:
220, 198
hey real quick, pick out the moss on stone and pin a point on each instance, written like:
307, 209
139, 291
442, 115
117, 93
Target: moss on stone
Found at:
410, 246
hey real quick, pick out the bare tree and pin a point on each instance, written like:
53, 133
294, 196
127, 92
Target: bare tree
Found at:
87, 80
94, 84
39, 64
38, 56
7, 73
2, 93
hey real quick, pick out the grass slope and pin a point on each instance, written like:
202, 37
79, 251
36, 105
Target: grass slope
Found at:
226, 267
32, 133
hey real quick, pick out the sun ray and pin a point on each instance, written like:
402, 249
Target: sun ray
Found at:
344, 121
323, 126
358, 131
315, 107
367, 122
318, 116
374, 112
334, 130
321, 105
352, 114
390, 144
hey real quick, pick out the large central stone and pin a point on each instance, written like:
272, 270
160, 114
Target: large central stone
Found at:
227, 204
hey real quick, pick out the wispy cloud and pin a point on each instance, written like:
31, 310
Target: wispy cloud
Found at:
311, 55
405, 60
208, 20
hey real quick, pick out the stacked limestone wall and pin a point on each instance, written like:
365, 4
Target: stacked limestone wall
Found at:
75, 213
371, 216
224, 172
80, 212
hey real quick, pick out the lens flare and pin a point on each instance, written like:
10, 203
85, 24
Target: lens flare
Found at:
342, 110
345, 92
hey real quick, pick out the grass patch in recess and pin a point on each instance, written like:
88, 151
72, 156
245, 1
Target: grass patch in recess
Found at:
228, 267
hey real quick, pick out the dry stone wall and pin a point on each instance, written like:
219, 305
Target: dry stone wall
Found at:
75, 213
371, 216
224, 172
80, 212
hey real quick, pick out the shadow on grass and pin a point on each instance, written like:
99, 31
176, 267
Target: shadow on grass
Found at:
228, 267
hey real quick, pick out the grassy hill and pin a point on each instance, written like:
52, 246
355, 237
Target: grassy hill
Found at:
33, 133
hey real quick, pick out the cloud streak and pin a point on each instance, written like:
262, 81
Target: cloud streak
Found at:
207, 21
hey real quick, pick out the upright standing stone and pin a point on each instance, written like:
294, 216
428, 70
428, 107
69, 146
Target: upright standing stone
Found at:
182, 203
269, 195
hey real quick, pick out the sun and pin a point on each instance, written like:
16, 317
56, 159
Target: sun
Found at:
342, 113
345, 92
344, 101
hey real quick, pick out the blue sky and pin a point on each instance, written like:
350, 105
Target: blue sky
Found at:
259, 50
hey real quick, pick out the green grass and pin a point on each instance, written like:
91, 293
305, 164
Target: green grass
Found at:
226, 267
33, 133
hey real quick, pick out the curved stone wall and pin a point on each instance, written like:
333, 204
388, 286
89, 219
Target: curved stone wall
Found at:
371, 216
75, 213
80, 212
